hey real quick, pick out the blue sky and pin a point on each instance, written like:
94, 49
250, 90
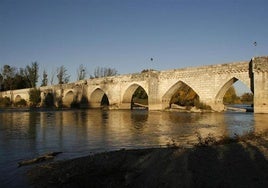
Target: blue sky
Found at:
125, 34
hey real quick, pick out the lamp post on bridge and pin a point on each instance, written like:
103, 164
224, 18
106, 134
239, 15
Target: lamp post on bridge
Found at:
149, 84
149, 70
255, 48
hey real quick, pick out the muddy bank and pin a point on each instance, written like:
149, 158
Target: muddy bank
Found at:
239, 164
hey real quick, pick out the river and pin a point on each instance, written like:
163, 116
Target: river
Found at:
25, 134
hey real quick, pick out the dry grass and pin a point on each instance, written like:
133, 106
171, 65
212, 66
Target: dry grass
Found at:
210, 139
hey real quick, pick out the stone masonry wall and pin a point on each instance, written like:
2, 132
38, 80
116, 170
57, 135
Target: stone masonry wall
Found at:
209, 82
260, 74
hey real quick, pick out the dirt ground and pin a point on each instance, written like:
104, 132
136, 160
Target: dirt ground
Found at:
236, 164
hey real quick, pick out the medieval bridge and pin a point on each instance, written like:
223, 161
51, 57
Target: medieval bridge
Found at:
209, 82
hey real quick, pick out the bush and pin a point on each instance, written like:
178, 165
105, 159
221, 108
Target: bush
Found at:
201, 105
20, 103
49, 100
35, 97
206, 141
5, 102
211, 140
247, 98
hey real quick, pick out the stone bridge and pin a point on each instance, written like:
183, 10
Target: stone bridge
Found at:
209, 82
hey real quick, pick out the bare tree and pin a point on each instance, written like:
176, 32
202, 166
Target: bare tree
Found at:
31, 73
8, 74
62, 75
103, 72
52, 77
81, 72
45, 78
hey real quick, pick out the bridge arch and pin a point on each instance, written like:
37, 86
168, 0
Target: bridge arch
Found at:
17, 98
68, 99
224, 88
98, 98
128, 95
49, 99
167, 97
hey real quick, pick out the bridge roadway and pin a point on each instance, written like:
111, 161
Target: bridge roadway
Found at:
209, 82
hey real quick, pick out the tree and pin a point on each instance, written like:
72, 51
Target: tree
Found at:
140, 93
8, 74
140, 96
44, 79
1, 81
35, 97
62, 75
103, 72
247, 98
230, 96
52, 77
31, 73
186, 96
81, 72
5, 102
20, 80
11, 78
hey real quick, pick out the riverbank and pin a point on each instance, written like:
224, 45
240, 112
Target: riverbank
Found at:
226, 163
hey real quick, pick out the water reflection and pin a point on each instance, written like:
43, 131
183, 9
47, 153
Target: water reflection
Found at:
105, 130
80, 132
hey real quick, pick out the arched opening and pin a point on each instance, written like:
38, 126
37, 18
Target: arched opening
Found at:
104, 101
68, 99
224, 89
181, 96
83, 102
19, 101
135, 97
98, 99
236, 96
139, 99
17, 98
49, 100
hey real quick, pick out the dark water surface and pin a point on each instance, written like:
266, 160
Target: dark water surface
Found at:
28, 134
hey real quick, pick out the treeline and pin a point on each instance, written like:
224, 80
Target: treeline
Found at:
12, 78
187, 97
231, 97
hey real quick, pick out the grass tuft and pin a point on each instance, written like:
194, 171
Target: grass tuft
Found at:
210, 139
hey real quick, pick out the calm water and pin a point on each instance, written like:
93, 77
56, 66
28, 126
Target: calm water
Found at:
25, 134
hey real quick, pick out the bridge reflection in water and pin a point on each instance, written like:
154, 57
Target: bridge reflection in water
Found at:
99, 130
81, 132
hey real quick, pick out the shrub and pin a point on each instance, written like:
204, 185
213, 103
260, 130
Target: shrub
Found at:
22, 102
49, 100
210, 139
201, 105
5, 102
75, 104
206, 141
35, 97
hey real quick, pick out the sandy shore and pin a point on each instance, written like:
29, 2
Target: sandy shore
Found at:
236, 164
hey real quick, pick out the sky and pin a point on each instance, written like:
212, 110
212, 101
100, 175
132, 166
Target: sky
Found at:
126, 34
